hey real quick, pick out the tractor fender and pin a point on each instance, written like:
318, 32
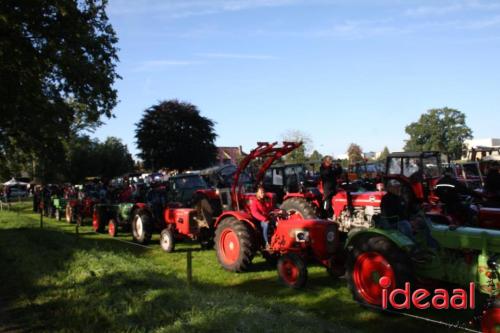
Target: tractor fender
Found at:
242, 216
395, 236
208, 193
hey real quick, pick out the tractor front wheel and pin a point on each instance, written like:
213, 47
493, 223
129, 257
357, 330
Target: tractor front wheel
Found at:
233, 244
368, 261
167, 241
299, 206
58, 214
142, 227
97, 222
112, 228
292, 270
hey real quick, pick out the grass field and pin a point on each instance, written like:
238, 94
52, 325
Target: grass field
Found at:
52, 280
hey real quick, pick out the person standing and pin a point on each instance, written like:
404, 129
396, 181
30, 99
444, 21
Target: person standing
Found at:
328, 176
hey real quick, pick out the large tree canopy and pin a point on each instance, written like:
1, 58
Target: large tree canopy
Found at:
355, 153
89, 157
57, 68
174, 135
442, 130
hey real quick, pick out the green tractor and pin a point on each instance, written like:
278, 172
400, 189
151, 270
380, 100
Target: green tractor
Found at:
381, 259
114, 217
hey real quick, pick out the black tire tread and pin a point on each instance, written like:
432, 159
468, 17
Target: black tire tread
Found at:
246, 244
301, 205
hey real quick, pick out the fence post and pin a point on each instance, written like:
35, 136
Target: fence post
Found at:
189, 267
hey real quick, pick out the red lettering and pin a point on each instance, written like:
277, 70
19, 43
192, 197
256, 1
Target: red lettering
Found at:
405, 292
418, 296
459, 299
384, 299
441, 299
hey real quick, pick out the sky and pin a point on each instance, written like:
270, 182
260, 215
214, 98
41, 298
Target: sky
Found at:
340, 71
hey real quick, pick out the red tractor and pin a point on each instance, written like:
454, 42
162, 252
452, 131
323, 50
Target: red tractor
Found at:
415, 173
294, 241
79, 209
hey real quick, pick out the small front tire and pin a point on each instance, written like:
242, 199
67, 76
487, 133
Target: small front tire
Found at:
292, 271
167, 241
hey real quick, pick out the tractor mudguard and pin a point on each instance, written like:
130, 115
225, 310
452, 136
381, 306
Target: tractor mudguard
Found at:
239, 215
395, 236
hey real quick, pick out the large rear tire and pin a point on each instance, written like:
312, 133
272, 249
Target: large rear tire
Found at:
69, 214
142, 227
204, 212
234, 245
300, 206
292, 270
370, 259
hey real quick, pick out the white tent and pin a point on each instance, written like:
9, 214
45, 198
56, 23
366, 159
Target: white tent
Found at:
14, 182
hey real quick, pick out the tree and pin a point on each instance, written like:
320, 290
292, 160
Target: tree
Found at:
355, 153
384, 154
299, 155
90, 157
59, 59
442, 129
174, 135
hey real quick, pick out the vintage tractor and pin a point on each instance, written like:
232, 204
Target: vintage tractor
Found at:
293, 241
382, 258
415, 173
77, 210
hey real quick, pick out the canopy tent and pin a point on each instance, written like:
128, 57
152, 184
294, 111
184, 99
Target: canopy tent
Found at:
14, 182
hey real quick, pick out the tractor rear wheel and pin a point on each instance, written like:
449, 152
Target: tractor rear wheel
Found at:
97, 222
69, 214
112, 228
142, 227
292, 270
300, 206
204, 212
234, 244
167, 241
370, 260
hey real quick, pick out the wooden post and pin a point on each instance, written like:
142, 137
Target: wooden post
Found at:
189, 267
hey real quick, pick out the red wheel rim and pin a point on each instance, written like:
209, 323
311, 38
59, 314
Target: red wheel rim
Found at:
229, 246
111, 229
289, 271
491, 321
95, 221
368, 270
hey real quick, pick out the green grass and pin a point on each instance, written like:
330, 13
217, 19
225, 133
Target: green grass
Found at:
52, 280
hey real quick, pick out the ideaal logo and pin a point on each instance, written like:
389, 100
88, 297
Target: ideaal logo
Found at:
422, 299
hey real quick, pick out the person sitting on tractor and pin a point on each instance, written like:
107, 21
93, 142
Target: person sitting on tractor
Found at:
328, 175
492, 181
450, 192
260, 210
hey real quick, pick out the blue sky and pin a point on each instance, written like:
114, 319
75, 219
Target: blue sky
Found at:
340, 71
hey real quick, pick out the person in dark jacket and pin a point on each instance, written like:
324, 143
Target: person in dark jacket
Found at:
328, 174
450, 192
492, 181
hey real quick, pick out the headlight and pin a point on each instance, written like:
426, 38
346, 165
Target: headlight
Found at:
330, 236
301, 235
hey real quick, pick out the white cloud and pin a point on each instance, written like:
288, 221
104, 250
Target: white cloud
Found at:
188, 8
236, 56
456, 6
152, 65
